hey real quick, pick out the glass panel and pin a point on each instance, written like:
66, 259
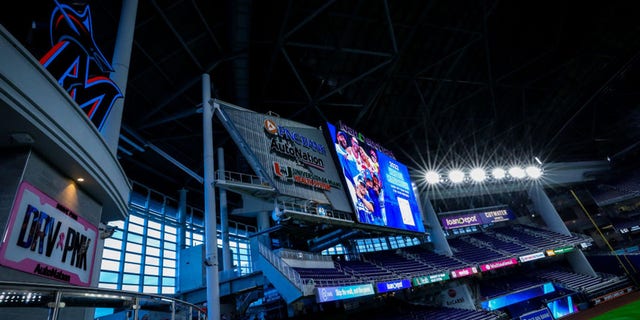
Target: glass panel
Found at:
130, 278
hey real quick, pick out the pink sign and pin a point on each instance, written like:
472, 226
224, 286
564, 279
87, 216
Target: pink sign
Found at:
46, 239
499, 264
464, 272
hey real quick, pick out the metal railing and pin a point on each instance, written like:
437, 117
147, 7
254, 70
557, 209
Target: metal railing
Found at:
21, 300
241, 178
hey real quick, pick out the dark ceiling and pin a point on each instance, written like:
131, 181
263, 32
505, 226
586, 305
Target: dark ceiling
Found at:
436, 82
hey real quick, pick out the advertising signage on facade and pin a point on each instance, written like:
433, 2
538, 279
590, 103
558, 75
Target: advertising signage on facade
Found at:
46, 239
477, 218
295, 155
379, 186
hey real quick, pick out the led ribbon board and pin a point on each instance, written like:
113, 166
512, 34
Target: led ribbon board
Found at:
326, 294
46, 239
379, 186
498, 264
393, 285
422, 280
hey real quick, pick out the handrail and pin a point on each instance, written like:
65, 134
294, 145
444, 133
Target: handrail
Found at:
241, 177
58, 297
284, 268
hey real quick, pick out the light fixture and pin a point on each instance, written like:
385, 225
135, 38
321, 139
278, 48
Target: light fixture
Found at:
477, 174
80, 179
498, 173
456, 176
517, 172
432, 177
533, 172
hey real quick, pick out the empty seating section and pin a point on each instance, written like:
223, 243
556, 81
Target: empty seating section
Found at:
437, 261
450, 314
500, 245
324, 277
570, 280
560, 239
365, 270
398, 264
474, 254
541, 243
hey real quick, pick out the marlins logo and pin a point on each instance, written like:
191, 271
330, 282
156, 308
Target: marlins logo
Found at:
73, 59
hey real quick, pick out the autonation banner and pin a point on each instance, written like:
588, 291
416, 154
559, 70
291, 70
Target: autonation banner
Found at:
46, 239
295, 155
326, 294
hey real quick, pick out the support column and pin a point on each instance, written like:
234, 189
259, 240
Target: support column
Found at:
210, 232
549, 214
182, 218
437, 234
120, 64
263, 223
227, 262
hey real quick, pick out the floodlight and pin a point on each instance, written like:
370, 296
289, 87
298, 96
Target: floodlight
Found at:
456, 176
432, 177
477, 174
517, 172
533, 172
498, 173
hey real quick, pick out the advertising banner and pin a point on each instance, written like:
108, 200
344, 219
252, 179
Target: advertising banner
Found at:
393, 285
464, 272
466, 220
498, 264
531, 257
501, 215
46, 239
560, 250
326, 294
422, 280
459, 297
295, 155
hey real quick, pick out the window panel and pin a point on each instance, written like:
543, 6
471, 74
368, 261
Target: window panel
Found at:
132, 267
151, 261
110, 265
134, 247
111, 254
132, 257
151, 270
153, 251
113, 243
130, 287
109, 277
154, 225
150, 289
169, 272
136, 219
130, 278
149, 280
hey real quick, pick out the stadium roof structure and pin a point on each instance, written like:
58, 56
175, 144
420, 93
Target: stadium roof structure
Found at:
436, 82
